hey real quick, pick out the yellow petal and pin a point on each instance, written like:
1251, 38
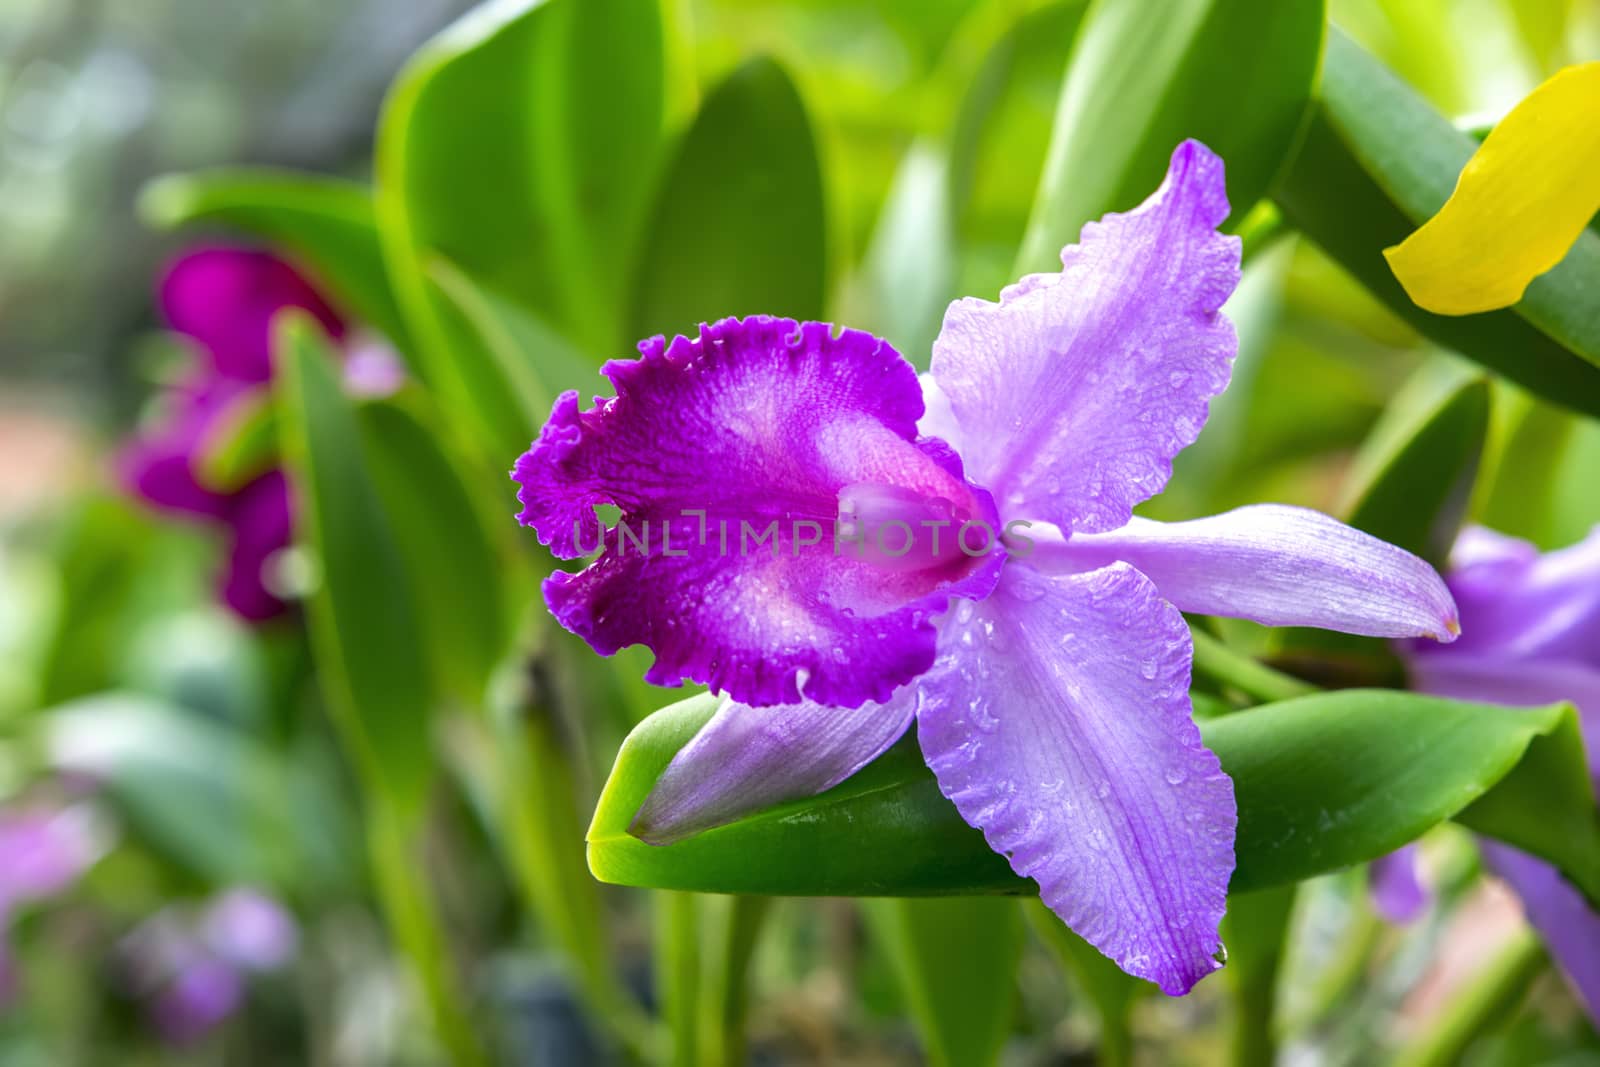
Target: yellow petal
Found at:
1522, 200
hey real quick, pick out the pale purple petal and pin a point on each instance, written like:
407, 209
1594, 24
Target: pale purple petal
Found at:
225, 298
747, 759
1520, 604
1570, 928
42, 852
759, 424
1058, 720
198, 999
1397, 891
249, 929
1077, 389
1277, 565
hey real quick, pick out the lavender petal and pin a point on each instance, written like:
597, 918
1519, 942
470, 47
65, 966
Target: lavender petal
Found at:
747, 759
1058, 721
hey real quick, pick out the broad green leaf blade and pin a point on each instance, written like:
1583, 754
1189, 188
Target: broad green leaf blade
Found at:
363, 617
1322, 782
326, 221
956, 962
739, 226
537, 362
1138, 83
1416, 155
1347, 205
522, 143
456, 567
1524, 490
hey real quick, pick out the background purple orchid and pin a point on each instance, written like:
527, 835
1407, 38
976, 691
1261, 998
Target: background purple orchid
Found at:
1531, 635
1050, 688
193, 965
223, 300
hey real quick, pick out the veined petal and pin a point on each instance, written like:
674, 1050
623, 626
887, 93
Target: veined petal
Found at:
225, 298
1397, 891
1277, 565
1521, 604
1077, 389
732, 458
1522, 200
1057, 720
1554, 907
746, 759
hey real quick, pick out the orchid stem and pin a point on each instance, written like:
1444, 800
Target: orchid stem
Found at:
1111, 991
735, 923
678, 973
1485, 1004
414, 922
1218, 663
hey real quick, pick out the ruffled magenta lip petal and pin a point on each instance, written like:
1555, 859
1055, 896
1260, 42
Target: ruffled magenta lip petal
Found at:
740, 461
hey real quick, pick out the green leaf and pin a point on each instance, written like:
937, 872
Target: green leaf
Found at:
1138, 84
1322, 782
326, 221
538, 362
521, 143
1374, 159
202, 795
242, 447
739, 225
1413, 478
1416, 155
363, 617
956, 961
456, 567
1524, 490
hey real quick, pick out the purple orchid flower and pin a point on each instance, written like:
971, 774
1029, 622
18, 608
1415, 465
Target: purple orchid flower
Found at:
224, 299
984, 577
1534, 639
195, 965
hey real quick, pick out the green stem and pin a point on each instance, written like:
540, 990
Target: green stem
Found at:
1486, 1004
1255, 931
409, 909
678, 972
1218, 663
539, 813
735, 923
1110, 990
